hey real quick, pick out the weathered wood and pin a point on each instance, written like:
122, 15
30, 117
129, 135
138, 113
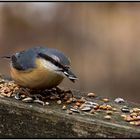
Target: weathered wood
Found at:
31, 120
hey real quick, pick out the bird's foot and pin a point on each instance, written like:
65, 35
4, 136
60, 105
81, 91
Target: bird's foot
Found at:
24, 92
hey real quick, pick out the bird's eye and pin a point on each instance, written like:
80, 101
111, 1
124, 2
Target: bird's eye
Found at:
17, 55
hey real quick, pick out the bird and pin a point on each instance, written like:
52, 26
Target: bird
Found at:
40, 68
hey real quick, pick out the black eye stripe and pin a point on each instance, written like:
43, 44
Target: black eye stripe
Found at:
53, 61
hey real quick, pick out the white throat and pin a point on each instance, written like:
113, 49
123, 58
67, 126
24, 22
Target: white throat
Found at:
51, 67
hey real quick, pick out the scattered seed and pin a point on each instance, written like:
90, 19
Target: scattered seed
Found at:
9, 94
137, 123
136, 110
22, 96
91, 103
75, 110
125, 109
91, 94
1, 96
17, 96
65, 97
119, 100
69, 100
64, 107
74, 99
98, 110
2, 81
27, 100
131, 111
16, 88
75, 107
123, 115
107, 117
82, 100
133, 114
128, 118
78, 104
132, 122
47, 103
114, 109
92, 111
39, 101
96, 107
134, 117
59, 102
137, 118
109, 112
85, 105
53, 97
109, 107
106, 100
69, 111
105, 107
86, 108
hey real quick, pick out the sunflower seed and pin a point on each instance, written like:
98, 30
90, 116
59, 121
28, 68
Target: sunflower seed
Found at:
125, 109
119, 100
75, 110
39, 101
86, 108
27, 100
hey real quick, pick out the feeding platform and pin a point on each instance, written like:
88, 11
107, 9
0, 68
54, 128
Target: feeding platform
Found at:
85, 116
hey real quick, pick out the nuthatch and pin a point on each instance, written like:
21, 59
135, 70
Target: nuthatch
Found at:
40, 68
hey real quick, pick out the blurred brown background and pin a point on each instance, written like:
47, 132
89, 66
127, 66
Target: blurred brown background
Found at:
102, 40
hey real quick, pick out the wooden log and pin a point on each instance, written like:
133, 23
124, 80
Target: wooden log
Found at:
32, 120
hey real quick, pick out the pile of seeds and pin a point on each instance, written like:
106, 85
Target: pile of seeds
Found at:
133, 117
83, 105
8, 88
89, 105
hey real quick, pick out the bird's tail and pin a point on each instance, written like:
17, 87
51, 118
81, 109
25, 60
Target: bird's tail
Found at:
7, 57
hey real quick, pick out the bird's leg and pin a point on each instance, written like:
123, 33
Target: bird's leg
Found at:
21, 91
27, 93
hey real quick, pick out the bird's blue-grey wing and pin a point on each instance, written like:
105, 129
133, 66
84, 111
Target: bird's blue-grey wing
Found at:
24, 60
56, 55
